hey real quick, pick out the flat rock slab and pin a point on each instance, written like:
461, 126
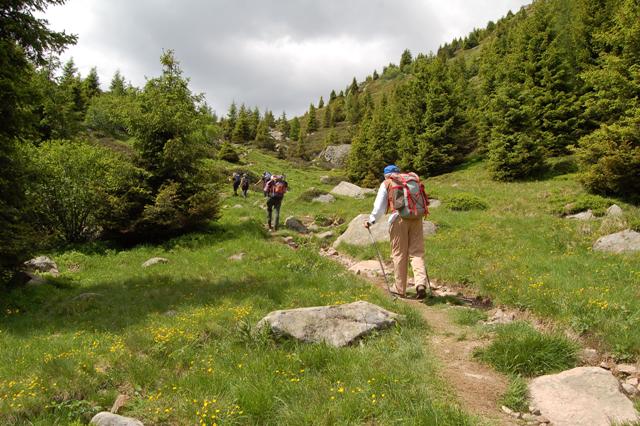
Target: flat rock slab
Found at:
620, 242
588, 215
581, 396
337, 325
154, 261
324, 198
347, 189
357, 235
105, 418
434, 203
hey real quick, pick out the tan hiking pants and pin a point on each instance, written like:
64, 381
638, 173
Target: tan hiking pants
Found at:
407, 243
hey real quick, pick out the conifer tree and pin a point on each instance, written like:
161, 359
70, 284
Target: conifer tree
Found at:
405, 60
327, 122
332, 96
353, 88
117, 86
91, 85
263, 137
321, 103
283, 125
294, 131
312, 120
230, 122
242, 130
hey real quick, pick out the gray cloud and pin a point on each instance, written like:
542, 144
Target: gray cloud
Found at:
276, 54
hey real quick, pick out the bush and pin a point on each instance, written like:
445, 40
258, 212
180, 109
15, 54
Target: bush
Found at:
519, 349
227, 153
465, 202
610, 160
514, 157
81, 188
108, 113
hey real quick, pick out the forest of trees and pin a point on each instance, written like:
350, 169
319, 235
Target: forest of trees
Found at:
559, 77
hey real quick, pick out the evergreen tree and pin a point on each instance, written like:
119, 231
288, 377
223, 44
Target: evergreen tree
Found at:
91, 85
353, 108
283, 125
375, 75
332, 96
263, 137
353, 88
327, 122
321, 103
270, 119
117, 86
405, 60
294, 131
230, 122
312, 120
254, 121
242, 130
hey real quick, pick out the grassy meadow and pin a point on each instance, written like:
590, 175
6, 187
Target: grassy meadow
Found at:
179, 337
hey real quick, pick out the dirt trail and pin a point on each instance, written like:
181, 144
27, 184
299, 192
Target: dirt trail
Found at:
477, 386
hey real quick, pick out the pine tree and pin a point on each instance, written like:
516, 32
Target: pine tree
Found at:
375, 75
327, 122
230, 122
91, 85
321, 103
263, 137
283, 125
242, 130
332, 96
405, 60
353, 88
312, 120
294, 131
117, 86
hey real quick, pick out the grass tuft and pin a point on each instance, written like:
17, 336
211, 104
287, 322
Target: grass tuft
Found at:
467, 316
516, 395
520, 349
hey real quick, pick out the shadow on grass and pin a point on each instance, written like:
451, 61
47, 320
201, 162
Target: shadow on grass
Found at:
113, 306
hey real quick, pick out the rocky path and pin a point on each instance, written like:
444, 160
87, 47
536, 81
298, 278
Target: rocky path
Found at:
477, 386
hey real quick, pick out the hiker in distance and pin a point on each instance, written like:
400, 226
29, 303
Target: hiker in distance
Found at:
244, 184
236, 182
275, 190
403, 195
266, 177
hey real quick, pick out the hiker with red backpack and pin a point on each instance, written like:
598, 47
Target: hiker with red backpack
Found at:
403, 195
275, 190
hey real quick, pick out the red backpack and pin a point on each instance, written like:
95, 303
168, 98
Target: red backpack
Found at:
407, 195
277, 188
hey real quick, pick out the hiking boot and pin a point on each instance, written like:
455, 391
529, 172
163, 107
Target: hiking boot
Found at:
421, 292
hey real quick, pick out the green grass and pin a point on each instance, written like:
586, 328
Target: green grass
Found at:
516, 395
178, 339
467, 316
519, 349
465, 202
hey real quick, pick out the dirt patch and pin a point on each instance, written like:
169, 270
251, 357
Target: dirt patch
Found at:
477, 386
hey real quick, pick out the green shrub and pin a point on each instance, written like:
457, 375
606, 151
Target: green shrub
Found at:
514, 157
227, 153
520, 349
465, 202
108, 113
598, 205
516, 395
81, 188
610, 159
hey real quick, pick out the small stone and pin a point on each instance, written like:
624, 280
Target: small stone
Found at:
154, 261
588, 215
614, 211
332, 252
237, 256
629, 389
543, 420
106, 418
589, 356
529, 417
325, 235
627, 369
237, 206
534, 410
516, 415
295, 224
170, 313
507, 410
633, 381
606, 365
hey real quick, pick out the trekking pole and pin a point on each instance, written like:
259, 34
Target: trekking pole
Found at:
426, 272
395, 297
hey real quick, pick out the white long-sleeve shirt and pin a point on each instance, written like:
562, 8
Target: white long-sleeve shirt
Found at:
380, 206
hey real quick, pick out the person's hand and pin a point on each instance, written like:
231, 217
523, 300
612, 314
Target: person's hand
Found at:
367, 224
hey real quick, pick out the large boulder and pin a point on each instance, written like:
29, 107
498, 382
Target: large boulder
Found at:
347, 189
614, 211
335, 155
620, 242
106, 418
42, 264
357, 235
337, 325
581, 396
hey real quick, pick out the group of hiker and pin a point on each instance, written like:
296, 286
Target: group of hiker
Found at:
273, 188
401, 194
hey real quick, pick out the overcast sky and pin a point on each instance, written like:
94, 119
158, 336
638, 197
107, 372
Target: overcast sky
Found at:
273, 54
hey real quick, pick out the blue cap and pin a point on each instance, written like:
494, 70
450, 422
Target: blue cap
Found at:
391, 168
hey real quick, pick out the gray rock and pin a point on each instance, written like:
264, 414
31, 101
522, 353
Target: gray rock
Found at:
534, 410
501, 317
337, 325
529, 417
588, 215
296, 225
620, 242
633, 381
106, 418
325, 235
614, 211
434, 203
629, 389
581, 396
325, 179
627, 369
154, 261
356, 234
335, 155
506, 410
236, 257
347, 189
120, 402
41, 264
324, 198
237, 206
276, 134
